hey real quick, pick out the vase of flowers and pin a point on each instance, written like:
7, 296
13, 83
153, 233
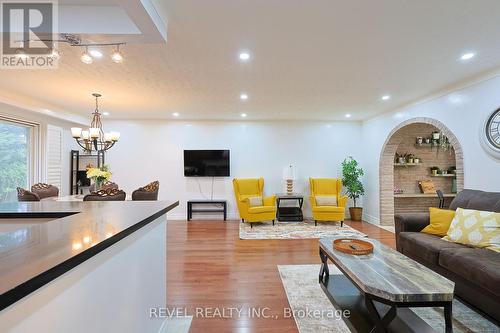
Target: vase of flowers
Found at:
99, 176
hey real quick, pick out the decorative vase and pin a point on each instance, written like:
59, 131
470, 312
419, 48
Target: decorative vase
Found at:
98, 185
356, 213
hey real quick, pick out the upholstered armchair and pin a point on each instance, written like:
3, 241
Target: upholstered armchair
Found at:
148, 192
109, 194
25, 195
45, 190
327, 203
252, 204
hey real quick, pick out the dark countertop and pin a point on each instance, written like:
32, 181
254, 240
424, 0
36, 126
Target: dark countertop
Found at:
34, 253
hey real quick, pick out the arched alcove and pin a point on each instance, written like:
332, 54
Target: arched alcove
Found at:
398, 138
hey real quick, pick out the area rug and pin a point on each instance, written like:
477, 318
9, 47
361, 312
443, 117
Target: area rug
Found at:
305, 294
177, 324
296, 230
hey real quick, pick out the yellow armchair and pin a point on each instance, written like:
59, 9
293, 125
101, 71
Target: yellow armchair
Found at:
327, 187
244, 189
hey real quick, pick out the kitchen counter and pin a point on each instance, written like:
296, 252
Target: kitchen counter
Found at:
42, 241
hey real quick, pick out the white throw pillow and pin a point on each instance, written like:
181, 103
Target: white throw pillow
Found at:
255, 201
326, 201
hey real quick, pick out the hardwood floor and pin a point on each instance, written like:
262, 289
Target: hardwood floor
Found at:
210, 269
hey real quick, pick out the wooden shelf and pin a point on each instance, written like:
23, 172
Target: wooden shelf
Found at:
423, 195
406, 164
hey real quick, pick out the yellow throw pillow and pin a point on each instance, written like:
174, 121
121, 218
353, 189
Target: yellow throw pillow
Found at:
475, 228
440, 221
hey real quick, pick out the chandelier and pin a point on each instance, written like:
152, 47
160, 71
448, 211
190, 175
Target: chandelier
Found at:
95, 139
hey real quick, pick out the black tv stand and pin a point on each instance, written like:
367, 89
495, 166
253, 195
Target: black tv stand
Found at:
190, 210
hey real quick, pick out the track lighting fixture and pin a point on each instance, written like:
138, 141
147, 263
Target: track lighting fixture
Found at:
21, 54
86, 58
54, 54
117, 56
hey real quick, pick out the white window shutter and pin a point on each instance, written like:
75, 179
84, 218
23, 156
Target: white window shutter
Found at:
54, 155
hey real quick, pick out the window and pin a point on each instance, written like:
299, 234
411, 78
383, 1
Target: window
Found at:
16, 157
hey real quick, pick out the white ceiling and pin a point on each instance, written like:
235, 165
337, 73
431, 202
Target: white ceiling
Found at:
311, 59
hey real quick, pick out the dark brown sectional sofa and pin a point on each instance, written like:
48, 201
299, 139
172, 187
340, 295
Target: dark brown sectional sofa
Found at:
476, 272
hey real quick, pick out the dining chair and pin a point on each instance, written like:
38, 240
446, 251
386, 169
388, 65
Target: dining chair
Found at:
109, 194
45, 190
148, 192
25, 195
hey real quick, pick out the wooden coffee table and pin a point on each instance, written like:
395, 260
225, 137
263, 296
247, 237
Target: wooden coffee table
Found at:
378, 289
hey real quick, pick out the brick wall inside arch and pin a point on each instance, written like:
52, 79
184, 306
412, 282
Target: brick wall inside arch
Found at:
386, 166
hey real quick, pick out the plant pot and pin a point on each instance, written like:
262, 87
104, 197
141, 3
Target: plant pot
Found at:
416, 161
356, 213
434, 172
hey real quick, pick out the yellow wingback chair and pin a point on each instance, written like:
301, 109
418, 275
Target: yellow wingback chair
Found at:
327, 187
253, 187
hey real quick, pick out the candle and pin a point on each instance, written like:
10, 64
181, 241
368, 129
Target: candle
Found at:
85, 135
94, 132
76, 132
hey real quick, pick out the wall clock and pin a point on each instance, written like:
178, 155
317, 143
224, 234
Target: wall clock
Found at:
491, 134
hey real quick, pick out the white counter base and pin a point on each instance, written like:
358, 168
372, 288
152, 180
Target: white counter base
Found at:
110, 292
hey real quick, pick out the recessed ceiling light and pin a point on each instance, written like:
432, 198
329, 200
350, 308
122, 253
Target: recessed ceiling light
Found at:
105, 113
243, 97
176, 114
95, 53
386, 97
244, 56
348, 115
468, 56
243, 115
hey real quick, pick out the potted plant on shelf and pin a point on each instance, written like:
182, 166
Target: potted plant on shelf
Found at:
400, 159
417, 160
434, 170
452, 170
410, 158
351, 174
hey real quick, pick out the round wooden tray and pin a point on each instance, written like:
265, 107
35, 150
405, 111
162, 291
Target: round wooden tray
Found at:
353, 246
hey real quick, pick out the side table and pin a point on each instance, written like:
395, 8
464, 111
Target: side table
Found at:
289, 213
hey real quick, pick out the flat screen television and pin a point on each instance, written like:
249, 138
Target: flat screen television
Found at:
206, 163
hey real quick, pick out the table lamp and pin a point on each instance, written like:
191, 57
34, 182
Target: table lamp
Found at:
289, 174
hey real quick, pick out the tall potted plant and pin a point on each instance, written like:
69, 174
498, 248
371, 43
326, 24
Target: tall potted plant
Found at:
351, 179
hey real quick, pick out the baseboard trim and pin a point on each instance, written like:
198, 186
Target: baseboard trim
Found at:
371, 219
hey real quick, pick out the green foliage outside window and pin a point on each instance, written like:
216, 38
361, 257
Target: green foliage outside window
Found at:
13, 159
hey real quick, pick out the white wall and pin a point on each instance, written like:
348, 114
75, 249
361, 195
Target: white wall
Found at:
463, 112
150, 150
68, 142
